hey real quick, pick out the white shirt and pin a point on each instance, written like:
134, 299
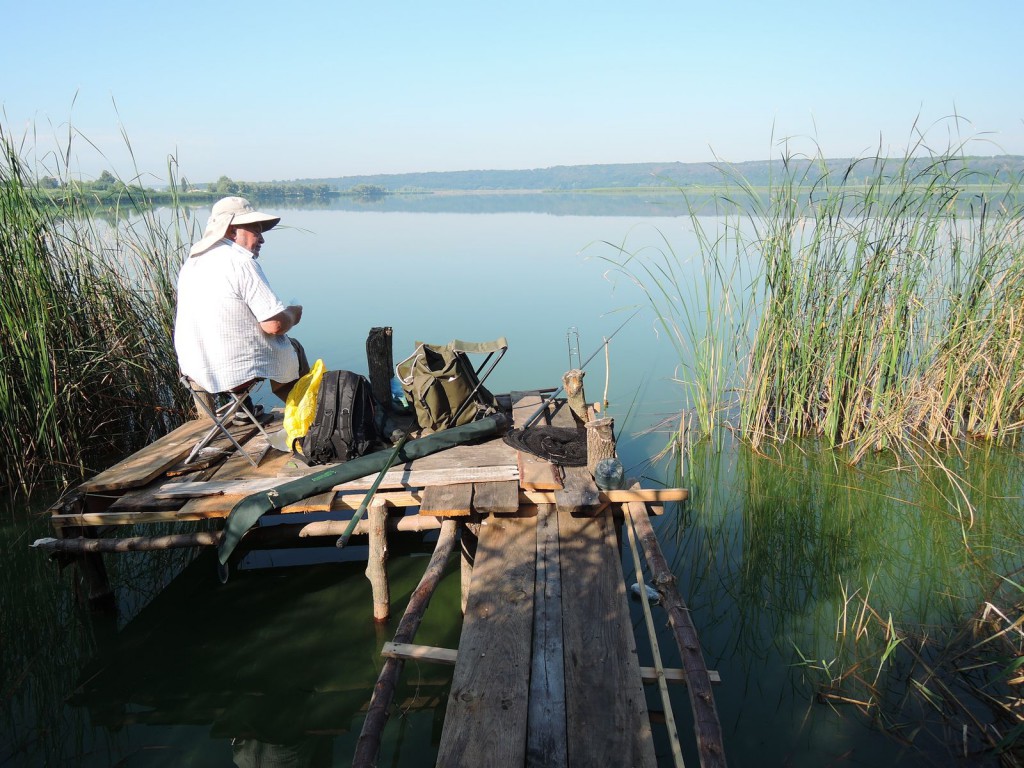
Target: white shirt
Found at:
223, 296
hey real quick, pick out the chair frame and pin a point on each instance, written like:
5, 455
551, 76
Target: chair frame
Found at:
222, 416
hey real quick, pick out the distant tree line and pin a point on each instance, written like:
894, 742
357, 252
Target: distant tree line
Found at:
269, 190
1002, 169
107, 189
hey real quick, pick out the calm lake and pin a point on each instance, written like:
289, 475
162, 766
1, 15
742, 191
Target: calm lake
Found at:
800, 571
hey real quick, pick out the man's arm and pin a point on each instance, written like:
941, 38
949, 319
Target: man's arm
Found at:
283, 322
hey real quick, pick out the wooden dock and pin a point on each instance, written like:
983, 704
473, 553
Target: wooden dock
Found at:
546, 672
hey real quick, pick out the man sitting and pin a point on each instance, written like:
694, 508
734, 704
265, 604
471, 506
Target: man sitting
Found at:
230, 326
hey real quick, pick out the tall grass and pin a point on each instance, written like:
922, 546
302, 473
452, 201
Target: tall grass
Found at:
86, 312
872, 307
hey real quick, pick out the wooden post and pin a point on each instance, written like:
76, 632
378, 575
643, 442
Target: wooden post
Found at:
92, 587
600, 441
380, 364
368, 744
469, 542
377, 561
572, 383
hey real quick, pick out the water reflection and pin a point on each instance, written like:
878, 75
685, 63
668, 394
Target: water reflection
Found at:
836, 600
274, 666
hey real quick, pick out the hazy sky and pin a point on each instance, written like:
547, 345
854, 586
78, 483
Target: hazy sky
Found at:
261, 91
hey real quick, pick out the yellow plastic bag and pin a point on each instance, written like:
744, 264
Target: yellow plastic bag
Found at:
300, 407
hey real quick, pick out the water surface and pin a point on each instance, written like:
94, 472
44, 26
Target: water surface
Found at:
772, 554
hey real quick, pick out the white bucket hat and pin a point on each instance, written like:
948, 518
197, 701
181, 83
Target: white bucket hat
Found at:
227, 212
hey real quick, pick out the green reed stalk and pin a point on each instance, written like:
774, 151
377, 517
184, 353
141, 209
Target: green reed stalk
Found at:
886, 305
86, 310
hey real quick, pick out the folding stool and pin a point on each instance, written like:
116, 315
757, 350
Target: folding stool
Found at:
223, 415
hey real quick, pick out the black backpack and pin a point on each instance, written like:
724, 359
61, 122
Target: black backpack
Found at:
345, 423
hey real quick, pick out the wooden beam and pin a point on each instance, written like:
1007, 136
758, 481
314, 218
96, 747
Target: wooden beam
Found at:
449, 657
219, 506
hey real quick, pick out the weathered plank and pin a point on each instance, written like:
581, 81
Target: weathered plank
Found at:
145, 465
277, 466
447, 500
606, 710
546, 737
219, 506
322, 502
450, 656
446, 656
395, 478
485, 723
534, 472
496, 498
493, 452
580, 494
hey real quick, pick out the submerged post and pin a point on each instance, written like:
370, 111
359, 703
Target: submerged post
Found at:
377, 561
468, 541
368, 744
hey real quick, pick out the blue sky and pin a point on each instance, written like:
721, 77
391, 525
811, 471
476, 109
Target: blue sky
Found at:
262, 91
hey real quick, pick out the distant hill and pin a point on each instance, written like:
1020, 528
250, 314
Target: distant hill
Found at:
1001, 168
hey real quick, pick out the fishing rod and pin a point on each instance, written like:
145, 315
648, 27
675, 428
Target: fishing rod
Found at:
544, 403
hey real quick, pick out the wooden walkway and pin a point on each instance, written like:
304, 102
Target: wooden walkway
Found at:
546, 672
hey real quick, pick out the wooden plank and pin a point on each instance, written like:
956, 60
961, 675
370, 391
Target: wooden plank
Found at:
650, 675
144, 498
145, 465
322, 502
130, 517
606, 709
493, 452
496, 498
219, 506
447, 500
546, 732
524, 405
277, 466
450, 656
485, 723
534, 472
580, 494
408, 651
395, 478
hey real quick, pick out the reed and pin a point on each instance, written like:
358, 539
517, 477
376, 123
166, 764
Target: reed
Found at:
892, 310
86, 311
870, 307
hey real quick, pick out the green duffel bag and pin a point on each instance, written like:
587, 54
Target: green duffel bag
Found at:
441, 384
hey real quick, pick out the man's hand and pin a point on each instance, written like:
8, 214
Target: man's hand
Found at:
283, 322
